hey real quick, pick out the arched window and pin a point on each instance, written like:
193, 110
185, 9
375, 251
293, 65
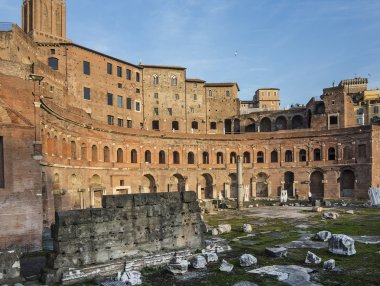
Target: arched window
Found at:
317, 155
155, 79
106, 153
302, 155
83, 152
94, 153
274, 156
174, 80
331, 153
219, 158
205, 158
190, 158
73, 150
53, 63
288, 156
161, 157
260, 157
232, 158
133, 156
176, 157
119, 155
148, 157
246, 157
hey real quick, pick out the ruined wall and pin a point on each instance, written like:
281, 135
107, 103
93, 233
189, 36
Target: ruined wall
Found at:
128, 226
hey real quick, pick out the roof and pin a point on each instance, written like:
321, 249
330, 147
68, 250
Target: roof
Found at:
246, 101
195, 80
90, 50
222, 84
268, 88
162, 67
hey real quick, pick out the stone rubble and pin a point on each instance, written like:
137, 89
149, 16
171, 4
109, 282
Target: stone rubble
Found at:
374, 195
342, 244
225, 266
323, 235
247, 260
198, 262
247, 228
178, 265
211, 257
131, 277
350, 212
317, 209
276, 251
224, 228
330, 215
312, 258
329, 264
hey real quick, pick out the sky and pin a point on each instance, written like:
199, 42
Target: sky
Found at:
299, 46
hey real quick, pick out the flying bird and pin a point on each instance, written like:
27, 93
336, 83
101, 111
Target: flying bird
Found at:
236, 53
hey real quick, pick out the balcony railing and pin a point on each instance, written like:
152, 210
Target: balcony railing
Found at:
5, 26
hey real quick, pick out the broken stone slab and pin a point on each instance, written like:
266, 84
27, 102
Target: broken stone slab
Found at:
350, 212
276, 251
114, 283
214, 231
317, 209
131, 277
342, 244
330, 215
290, 274
374, 195
225, 266
245, 283
216, 245
211, 257
367, 239
247, 228
198, 262
178, 265
247, 260
224, 228
323, 235
312, 258
329, 264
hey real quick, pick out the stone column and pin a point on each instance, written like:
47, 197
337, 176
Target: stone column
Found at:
239, 170
214, 192
227, 191
253, 188
269, 189
199, 191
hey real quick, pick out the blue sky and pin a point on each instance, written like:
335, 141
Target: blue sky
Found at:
298, 46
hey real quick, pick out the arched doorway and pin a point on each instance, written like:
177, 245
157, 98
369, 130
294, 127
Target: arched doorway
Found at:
206, 183
347, 183
148, 184
250, 125
281, 123
265, 125
288, 185
234, 185
97, 191
262, 185
179, 182
316, 185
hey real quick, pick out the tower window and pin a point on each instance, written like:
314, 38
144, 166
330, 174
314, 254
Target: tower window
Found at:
213, 125
86, 67
119, 71
110, 119
53, 63
109, 68
156, 111
119, 101
128, 74
87, 93
137, 105
156, 125
52, 51
109, 98
120, 122
137, 77
129, 103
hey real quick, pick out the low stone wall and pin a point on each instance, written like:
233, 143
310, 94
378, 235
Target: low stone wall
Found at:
127, 227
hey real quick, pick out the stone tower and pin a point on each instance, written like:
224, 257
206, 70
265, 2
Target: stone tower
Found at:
45, 20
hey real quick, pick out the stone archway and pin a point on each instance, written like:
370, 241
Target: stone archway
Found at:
316, 185
347, 183
179, 182
148, 184
206, 185
281, 123
265, 125
234, 185
262, 185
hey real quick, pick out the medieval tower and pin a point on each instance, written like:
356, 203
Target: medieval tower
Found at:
45, 20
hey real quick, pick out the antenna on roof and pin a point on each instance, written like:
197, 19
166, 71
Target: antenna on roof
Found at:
140, 62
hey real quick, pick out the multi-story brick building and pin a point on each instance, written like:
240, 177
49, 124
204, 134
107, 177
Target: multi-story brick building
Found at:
77, 124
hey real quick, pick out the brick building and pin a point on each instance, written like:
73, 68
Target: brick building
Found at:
77, 124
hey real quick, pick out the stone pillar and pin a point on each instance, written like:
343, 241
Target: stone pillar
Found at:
269, 189
214, 192
227, 191
253, 189
199, 191
239, 169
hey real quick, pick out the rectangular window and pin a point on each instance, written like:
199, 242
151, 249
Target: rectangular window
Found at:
194, 84
210, 93
129, 103
128, 73
119, 71
129, 123
156, 111
109, 98
120, 122
156, 125
362, 151
156, 95
137, 105
2, 183
119, 101
375, 109
333, 120
177, 97
119, 85
87, 93
109, 68
268, 93
137, 90
86, 68
194, 96
227, 93
110, 119
191, 109
213, 125
52, 51
137, 77
170, 111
